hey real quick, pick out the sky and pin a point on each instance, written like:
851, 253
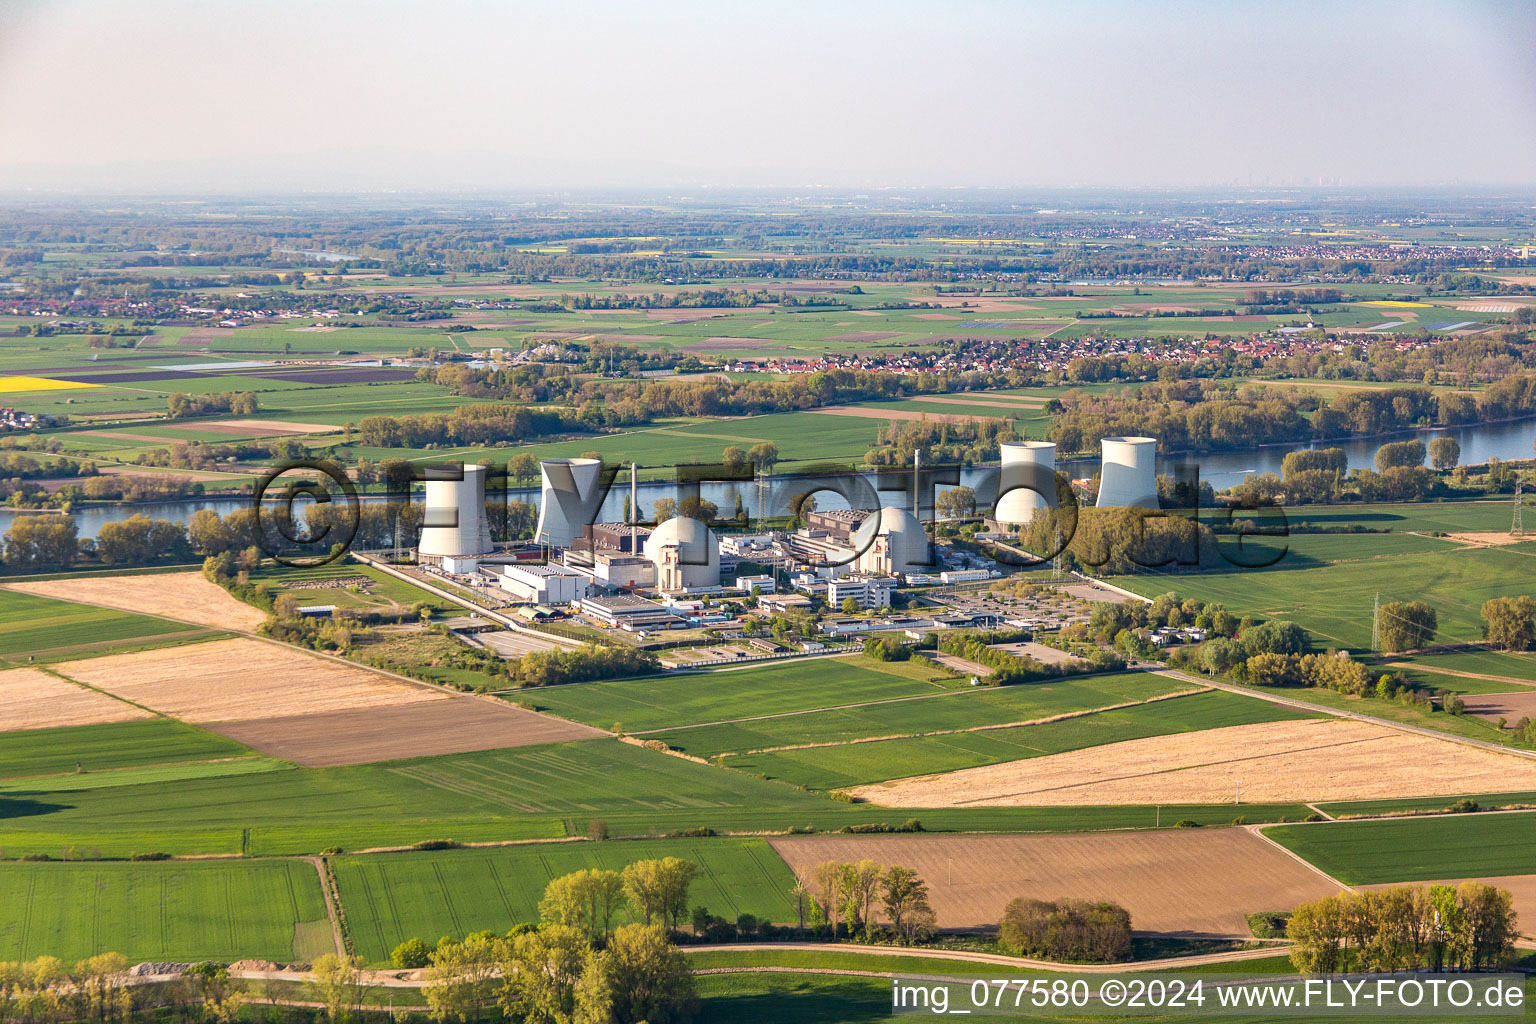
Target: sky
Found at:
366, 95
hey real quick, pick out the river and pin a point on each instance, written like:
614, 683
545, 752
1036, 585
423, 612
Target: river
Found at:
1479, 443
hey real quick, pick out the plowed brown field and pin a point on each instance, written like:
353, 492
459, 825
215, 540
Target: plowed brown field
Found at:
30, 699
185, 596
1172, 881
1275, 762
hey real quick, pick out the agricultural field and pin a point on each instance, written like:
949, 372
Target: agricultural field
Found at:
184, 596
30, 699
313, 710
112, 747
37, 630
183, 910
728, 694
971, 708
1175, 881
1275, 762
1417, 848
390, 898
1010, 751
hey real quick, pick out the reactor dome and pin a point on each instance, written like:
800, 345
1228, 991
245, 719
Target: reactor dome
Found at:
686, 554
893, 541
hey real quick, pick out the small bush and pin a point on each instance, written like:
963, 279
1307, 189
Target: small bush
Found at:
801, 830
1186, 823
700, 832
1466, 805
331, 851
437, 844
1314, 816
597, 830
149, 856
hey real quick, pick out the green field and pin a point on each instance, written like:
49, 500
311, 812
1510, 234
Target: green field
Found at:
186, 910
970, 708
390, 898
109, 748
660, 702
38, 629
852, 764
1417, 849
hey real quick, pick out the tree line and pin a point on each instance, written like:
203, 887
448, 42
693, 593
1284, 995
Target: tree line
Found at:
1468, 927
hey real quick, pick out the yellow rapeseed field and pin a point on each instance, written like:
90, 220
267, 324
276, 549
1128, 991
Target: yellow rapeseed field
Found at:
9, 384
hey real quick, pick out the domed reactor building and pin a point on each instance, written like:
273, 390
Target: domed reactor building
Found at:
1128, 477
686, 554
893, 541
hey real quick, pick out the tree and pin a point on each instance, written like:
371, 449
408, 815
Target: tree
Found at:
411, 954
734, 459
1219, 656
1444, 453
40, 542
1066, 930
645, 976
764, 456
694, 507
825, 875
850, 606
462, 977
956, 503
857, 886
540, 971
659, 888
1316, 931
663, 509
1406, 626
335, 981
1399, 453
1507, 622
584, 900
905, 896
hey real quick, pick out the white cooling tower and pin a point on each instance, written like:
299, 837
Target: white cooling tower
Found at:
1027, 481
568, 490
1129, 473
686, 554
454, 522
892, 541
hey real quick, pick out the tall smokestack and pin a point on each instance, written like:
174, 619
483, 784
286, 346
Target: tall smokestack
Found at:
634, 495
917, 483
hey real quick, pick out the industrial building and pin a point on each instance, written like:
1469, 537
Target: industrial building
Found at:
544, 584
1027, 482
454, 525
686, 555
1128, 476
866, 591
568, 499
626, 612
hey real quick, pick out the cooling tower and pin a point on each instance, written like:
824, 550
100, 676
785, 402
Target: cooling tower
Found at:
1027, 481
454, 521
1129, 473
566, 494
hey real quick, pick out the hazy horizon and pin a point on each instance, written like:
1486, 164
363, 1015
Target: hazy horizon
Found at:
170, 96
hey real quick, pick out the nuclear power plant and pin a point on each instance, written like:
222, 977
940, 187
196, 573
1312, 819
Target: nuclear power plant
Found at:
567, 485
454, 524
1128, 478
1027, 482
893, 541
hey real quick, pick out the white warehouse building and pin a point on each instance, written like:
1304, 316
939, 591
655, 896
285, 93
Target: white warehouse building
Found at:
454, 523
544, 584
1128, 477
